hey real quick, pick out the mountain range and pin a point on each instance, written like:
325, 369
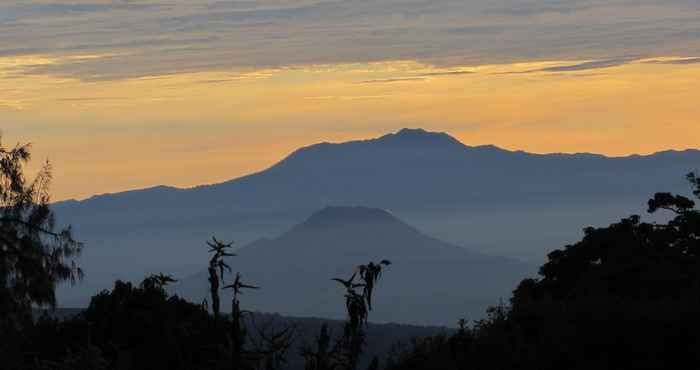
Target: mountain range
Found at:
491, 200
429, 282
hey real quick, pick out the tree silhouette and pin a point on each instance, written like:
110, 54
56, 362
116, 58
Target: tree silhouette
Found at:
238, 332
157, 281
216, 269
143, 327
270, 345
346, 352
320, 358
358, 307
370, 274
623, 297
35, 255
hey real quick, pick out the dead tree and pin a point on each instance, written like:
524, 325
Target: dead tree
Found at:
216, 269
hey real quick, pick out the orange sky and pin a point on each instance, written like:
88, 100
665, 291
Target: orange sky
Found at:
191, 128
128, 94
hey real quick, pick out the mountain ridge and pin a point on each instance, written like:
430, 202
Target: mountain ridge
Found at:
405, 136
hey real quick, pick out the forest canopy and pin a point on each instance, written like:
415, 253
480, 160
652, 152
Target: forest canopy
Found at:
623, 297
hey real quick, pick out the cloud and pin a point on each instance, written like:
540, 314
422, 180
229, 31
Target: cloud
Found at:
476, 29
20, 51
60, 9
347, 97
393, 80
157, 37
448, 73
596, 64
91, 99
678, 61
578, 67
530, 8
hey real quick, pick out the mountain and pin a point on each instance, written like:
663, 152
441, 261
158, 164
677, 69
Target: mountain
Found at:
430, 282
492, 200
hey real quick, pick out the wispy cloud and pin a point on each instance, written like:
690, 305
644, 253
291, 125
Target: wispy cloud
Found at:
678, 61
151, 37
447, 73
91, 99
595, 64
393, 80
347, 97
578, 67
51, 9
529, 8
475, 30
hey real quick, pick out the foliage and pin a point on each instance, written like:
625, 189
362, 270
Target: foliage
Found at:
624, 297
35, 255
135, 328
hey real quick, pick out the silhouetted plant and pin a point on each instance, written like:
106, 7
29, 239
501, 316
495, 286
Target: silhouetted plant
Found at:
271, 345
34, 253
370, 274
346, 352
216, 269
355, 303
157, 281
237, 333
358, 307
320, 358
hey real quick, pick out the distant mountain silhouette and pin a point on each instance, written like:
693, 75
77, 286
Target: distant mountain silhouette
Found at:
429, 281
492, 200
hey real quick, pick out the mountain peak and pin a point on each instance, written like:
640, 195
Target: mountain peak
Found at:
407, 139
419, 135
339, 215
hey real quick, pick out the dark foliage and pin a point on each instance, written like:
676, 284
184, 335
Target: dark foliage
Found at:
35, 255
135, 328
624, 297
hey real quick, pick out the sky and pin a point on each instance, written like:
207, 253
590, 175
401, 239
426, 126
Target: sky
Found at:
127, 94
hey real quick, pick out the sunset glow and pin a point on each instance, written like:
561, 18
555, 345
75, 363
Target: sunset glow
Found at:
139, 93
192, 128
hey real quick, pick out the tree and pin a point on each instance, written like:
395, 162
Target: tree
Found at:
217, 267
345, 354
623, 297
35, 254
319, 358
238, 332
270, 344
143, 327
